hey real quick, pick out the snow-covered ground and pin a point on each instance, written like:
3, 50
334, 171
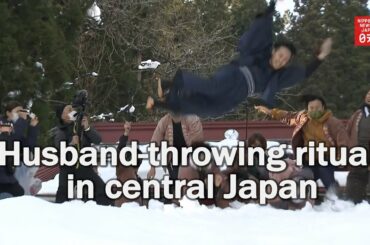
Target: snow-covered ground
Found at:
29, 220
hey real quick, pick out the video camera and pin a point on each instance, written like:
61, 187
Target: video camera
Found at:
80, 101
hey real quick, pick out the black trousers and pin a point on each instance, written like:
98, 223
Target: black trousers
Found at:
15, 189
191, 94
326, 174
82, 173
357, 181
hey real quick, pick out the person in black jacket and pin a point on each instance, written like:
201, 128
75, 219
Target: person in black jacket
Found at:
64, 132
261, 69
14, 126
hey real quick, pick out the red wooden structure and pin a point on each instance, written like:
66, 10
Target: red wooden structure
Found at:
213, 130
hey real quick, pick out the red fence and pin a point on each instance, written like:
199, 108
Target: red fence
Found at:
213, 131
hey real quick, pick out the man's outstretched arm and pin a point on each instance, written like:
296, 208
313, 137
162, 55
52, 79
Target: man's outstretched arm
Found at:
290, 118
293, 75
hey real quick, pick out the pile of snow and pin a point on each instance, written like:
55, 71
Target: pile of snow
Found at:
29, 220
75, 222
95, 13
148, 64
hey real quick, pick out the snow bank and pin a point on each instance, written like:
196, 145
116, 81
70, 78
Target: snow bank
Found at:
29, 220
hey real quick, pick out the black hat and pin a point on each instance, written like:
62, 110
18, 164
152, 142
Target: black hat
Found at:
307, 98
59, 111
11, 105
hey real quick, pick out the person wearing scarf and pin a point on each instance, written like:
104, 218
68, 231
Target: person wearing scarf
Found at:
315, 123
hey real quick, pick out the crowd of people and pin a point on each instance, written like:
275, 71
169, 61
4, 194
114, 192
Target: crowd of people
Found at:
315, 123
262, 69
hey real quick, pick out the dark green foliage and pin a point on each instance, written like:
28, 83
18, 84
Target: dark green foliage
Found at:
45, 32
197, 35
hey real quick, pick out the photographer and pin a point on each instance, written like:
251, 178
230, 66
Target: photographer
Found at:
16, 125
66, 132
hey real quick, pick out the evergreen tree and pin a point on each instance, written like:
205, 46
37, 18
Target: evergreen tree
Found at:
37, 51
343, 78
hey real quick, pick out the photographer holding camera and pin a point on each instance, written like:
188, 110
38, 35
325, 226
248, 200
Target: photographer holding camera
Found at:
16, 125
75, 130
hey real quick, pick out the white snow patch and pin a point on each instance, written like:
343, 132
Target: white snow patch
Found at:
78, 223
95, 13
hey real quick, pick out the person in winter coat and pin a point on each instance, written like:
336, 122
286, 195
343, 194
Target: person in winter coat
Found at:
65, 132
14, 126
178, 131
316, 123
358, 128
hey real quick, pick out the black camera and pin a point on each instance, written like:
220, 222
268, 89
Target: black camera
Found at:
30, 115
79, 101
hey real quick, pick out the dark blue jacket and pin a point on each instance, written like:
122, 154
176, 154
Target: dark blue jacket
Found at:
255, 48
229, 85
26, 139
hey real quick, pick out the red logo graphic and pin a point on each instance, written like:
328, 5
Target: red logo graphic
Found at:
362, 31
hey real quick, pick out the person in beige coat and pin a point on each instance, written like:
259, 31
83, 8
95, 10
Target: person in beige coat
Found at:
178, 131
